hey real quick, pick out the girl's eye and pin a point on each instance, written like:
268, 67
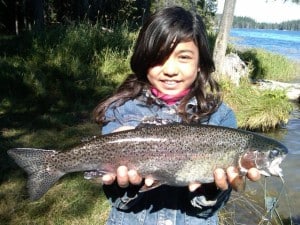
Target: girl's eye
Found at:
185, 57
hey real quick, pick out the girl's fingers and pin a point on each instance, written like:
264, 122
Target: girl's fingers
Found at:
122, 176
108, 179
221, 179
134, 177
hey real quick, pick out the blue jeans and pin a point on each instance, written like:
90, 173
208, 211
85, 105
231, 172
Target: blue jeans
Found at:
163, 217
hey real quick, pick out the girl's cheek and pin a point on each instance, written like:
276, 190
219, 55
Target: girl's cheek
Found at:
154, 71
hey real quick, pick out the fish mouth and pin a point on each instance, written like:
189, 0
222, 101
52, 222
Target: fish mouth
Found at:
274, 168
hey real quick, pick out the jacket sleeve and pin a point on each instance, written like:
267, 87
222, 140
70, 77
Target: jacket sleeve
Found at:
208, 199
124, 115
224, 116
122, 198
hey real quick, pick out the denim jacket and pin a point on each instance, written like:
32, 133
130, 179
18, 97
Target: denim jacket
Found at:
163, 205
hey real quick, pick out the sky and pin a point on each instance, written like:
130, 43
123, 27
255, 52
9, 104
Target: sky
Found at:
270, 11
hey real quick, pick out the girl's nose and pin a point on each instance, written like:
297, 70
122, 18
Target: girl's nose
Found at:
169, 68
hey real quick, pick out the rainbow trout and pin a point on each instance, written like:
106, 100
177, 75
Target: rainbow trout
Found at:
171, 154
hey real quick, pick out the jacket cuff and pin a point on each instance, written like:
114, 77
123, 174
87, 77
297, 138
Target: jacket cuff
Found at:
122, 198
208, 195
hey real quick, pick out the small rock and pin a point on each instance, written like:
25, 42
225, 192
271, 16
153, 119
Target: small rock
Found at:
234, 68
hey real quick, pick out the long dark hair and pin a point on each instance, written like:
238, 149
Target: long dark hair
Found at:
157, 39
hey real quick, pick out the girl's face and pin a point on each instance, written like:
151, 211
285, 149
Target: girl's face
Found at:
178, 72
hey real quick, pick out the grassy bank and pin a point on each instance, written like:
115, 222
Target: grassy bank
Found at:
267, 65
49, 84
63, 69
257, 110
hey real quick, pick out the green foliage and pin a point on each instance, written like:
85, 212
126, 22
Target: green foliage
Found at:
267, 65
17, 16
64, 69
243, 22
72, 201
246, 22
257, 109
206, 9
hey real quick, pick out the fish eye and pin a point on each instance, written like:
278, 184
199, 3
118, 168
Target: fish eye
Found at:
274, 153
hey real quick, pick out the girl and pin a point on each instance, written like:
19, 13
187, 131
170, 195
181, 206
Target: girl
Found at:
171, 82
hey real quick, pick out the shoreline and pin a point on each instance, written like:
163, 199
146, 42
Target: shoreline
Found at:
292, 89
282, 42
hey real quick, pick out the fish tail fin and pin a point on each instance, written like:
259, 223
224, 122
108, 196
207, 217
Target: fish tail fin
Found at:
41, 173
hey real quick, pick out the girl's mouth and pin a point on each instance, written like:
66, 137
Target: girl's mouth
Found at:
170, 82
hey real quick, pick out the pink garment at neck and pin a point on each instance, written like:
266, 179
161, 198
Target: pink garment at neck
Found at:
169, 99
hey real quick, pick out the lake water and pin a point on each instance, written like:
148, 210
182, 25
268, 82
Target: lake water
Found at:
283, 42
286, 43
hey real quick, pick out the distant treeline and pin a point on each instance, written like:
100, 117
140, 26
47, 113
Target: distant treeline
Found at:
246, 22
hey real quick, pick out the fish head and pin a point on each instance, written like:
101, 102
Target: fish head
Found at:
266, 161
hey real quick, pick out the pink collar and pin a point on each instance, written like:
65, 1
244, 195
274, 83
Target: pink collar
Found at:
169, 99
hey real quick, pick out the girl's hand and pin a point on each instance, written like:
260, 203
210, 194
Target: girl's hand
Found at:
125, 177
231, 177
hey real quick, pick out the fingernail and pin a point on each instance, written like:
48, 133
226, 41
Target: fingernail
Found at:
219, 174
232, 169
122, 171
194, 186
132, 173
108, 179
134, 178
149, 182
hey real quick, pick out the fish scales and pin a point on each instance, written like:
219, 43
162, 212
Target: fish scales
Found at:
172, 154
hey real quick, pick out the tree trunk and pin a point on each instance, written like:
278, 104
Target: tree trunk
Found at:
143, 10
38, 14
223, 35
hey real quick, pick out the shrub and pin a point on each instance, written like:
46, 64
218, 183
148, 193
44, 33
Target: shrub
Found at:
267, 65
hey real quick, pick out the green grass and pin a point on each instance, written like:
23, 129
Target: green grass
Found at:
63, 69
72, 200
267, 65
261, 110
